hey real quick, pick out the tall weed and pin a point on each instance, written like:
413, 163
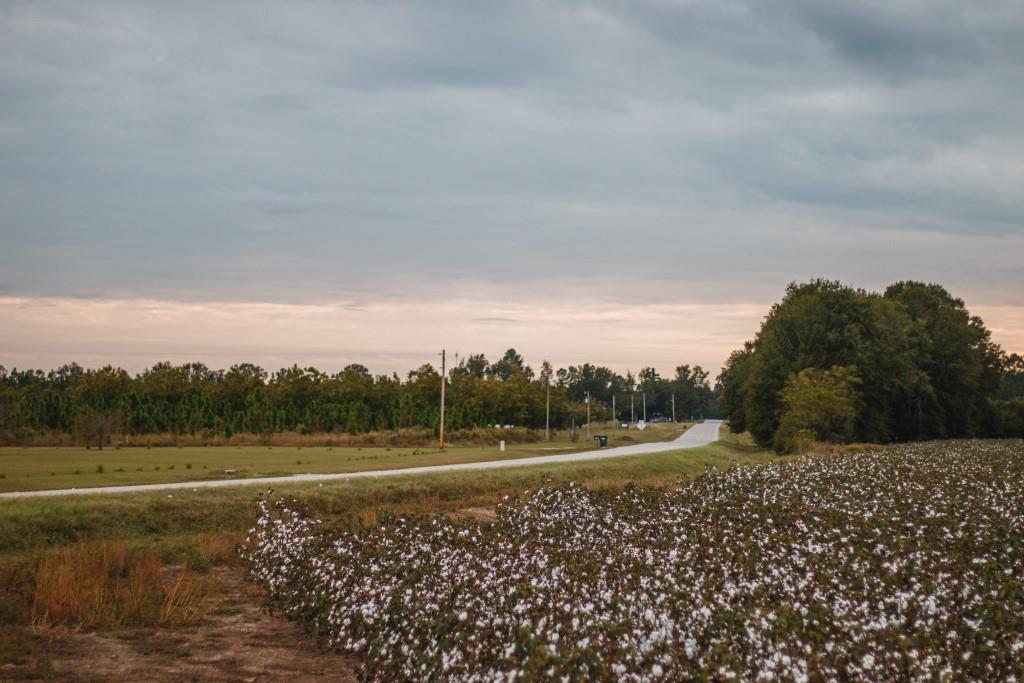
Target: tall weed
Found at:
106, 584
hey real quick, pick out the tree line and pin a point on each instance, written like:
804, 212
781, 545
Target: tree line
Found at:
194, 399
834, 363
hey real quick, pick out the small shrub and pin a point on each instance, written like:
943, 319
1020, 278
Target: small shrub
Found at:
99, 469
195, 559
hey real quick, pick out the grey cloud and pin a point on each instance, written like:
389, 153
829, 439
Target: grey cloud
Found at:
902, 40
283, 151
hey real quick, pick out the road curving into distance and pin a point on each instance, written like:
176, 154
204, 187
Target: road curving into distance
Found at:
700, 434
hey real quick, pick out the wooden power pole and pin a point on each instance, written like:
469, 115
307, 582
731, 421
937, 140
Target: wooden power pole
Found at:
588, 415
547, 410
443, 382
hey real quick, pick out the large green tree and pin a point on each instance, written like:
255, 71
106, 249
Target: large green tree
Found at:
926, 367
956, 353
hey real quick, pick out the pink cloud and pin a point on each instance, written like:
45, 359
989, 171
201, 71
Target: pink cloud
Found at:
383, 335
389, 335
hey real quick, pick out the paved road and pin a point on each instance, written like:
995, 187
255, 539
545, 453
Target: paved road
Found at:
698, 435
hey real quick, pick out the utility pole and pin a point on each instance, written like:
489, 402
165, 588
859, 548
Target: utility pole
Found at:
615, 421
547, 414
443, 382
673, 407
632, 413
588, 415
645, 406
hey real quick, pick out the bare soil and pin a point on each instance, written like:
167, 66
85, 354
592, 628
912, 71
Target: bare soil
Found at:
238, 641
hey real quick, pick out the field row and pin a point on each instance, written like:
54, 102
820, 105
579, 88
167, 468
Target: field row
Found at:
899, 564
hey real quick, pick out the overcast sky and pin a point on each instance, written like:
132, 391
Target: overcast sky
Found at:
631, 182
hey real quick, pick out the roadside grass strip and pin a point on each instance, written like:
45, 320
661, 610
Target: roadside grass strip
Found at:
903, 563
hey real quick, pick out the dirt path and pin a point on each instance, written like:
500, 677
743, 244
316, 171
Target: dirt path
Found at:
239, 641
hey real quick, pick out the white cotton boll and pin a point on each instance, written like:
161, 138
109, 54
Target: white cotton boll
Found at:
517, 581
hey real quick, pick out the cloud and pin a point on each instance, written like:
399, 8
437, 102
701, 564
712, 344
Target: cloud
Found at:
391, 335
386, 336
652, 151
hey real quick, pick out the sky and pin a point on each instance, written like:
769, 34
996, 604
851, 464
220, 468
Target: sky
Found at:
625, 183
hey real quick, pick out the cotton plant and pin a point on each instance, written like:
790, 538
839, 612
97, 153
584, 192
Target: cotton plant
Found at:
905, 563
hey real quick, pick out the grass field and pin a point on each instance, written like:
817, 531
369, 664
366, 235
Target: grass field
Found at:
173, 520
92, 561
48, 467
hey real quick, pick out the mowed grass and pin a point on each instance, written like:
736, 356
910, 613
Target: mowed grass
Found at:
34, 523
88, 560
48, 467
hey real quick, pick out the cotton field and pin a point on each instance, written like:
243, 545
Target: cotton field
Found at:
901, 564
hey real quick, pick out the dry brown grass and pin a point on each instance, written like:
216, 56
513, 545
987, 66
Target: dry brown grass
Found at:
219, 547
107, 584
184, 600
104, 584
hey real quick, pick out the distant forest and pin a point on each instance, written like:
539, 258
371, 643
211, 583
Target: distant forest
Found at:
193, 399
837, 364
